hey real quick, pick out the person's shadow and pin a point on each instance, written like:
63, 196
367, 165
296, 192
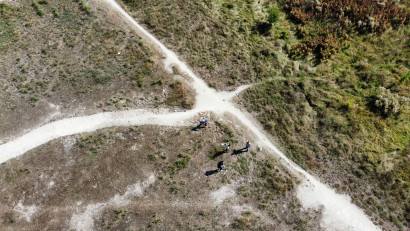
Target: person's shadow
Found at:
211, 172
218, 154
237, 151
197, 127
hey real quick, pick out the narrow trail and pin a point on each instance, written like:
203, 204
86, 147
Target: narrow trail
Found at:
338, 211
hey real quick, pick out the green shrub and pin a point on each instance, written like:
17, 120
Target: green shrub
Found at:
182, 162
140, 81
274, 14
159, 81
84, 7
56, 13
56, 86
216, 150
37, 8
242, 165
405, 77
152, 157
175, 189
33, 99
155, 222
243, 222
203, 213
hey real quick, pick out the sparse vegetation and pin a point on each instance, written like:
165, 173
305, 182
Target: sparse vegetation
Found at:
181, 162
180, 95
7, 25
242, 165
119, 101
38, 8
116, 183
154, 223
243, 222
91, 145
118, 214
225, 128
175, 189
81, 58
84, 7
56, 12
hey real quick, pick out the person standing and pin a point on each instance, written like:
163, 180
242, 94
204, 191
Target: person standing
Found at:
221, 166
227, 148
247, 146
203, 122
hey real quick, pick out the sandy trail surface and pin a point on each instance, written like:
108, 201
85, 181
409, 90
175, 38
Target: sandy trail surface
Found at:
338, 211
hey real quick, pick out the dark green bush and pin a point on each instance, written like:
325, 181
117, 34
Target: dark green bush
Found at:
43, 2
274, 14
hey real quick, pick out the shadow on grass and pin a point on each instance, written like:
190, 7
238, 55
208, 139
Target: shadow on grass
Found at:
211, 172
197, 127
217, 154
238, 151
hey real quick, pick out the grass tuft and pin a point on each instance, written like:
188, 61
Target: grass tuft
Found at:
38, 8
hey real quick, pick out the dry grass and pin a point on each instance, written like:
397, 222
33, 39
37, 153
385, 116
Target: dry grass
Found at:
329, 123
330, 23
180, 95
324, 115
219, 38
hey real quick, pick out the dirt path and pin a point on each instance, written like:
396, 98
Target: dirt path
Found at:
338, 212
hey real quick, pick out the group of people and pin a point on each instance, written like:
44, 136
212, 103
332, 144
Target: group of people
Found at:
246, 148
221, 166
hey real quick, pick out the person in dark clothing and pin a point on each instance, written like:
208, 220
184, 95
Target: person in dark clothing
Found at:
247, 146
221, 166
204, 123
